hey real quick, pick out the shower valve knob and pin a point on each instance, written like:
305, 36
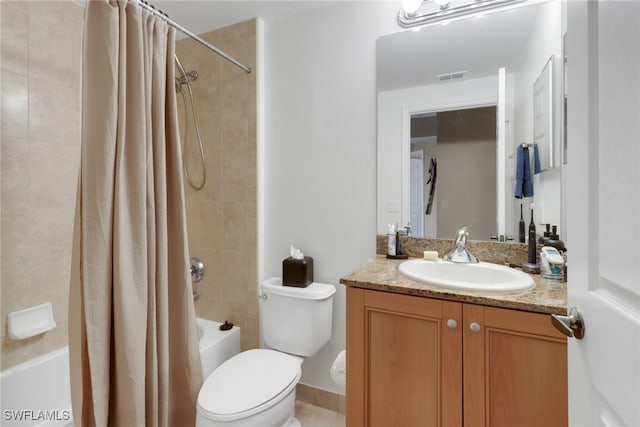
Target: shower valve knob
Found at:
197, 269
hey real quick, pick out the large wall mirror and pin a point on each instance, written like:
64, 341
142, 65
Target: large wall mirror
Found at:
456, 100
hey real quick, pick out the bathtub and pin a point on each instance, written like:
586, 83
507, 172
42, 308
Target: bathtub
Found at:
38, 392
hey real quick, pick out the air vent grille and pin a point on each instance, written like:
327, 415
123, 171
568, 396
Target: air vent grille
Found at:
451, 76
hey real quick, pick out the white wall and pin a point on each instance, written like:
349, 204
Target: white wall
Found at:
545, 40
320, 148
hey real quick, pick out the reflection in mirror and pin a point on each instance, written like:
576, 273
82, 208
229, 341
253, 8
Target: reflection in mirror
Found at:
543, 110
446, 201
489, 65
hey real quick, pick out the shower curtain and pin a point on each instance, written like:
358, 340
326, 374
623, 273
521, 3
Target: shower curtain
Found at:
136, 342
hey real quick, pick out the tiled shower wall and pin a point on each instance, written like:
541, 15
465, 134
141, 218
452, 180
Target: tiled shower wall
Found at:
222, 221
40, 149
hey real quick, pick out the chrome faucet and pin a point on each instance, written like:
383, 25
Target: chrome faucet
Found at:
460, 253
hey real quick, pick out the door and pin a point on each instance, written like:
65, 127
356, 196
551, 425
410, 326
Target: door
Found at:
416, 188
603, 211
501, 141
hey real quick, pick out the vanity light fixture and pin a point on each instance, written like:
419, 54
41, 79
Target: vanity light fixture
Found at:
425, 12
410, 7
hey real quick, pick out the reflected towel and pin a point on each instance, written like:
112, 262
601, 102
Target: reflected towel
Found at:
524, 185
536, 159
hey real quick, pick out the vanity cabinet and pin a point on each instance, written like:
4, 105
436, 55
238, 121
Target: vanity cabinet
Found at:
416, 361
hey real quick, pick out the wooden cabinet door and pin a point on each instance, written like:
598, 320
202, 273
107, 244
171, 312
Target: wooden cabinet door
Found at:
404, 359
515, 369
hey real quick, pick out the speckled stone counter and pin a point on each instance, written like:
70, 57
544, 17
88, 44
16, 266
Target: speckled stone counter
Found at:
497, 253
381, 274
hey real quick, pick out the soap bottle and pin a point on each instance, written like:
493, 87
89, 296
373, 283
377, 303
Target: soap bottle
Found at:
554, 240
545, 236
521, 235
391, 241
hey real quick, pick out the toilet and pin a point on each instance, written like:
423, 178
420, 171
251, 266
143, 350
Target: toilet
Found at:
258, 387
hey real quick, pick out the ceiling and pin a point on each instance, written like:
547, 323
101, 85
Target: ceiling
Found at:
456, 46
200, 16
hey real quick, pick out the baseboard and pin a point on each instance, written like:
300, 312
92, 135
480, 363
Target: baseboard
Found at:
322, 398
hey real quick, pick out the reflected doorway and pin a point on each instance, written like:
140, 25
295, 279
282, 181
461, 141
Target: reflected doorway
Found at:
462, 143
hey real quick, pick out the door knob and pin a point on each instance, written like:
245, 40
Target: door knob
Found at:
571, 325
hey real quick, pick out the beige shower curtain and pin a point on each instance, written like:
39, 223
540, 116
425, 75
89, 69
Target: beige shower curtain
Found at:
136, 342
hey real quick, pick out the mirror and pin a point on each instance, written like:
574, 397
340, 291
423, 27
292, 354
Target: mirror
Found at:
471, 79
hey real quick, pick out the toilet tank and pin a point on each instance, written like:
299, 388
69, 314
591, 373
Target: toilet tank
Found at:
296, 320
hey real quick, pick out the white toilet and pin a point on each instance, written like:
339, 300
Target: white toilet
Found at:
258, 387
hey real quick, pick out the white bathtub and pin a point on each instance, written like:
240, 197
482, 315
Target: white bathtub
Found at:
38, 392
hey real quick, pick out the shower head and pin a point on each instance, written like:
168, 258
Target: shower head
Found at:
190, 76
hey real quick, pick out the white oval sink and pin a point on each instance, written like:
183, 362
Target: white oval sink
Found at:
482, 276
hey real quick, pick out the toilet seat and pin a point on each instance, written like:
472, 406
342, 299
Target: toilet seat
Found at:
248, 383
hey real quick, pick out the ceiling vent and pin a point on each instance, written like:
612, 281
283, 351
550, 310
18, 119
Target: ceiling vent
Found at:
451, 76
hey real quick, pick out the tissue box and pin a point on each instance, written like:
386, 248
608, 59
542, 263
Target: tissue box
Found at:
297, 272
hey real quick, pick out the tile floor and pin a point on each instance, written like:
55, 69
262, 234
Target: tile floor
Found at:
315, 416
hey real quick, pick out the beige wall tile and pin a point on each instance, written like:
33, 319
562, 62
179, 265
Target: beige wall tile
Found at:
54, 111
15, 105
40, 159
211, 225
222, 215
53, 42
234, 225
14, 37
14, 176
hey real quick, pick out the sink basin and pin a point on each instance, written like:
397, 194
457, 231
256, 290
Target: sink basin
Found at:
481, 276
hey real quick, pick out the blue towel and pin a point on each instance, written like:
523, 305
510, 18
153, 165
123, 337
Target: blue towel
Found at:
524, 185
536, 160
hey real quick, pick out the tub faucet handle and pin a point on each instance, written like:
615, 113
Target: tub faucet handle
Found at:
196, 269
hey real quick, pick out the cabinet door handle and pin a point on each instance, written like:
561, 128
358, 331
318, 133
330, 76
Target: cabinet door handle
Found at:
452, 323
475, 327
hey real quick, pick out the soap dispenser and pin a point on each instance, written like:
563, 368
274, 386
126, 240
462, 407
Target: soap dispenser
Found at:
554, 240
545, 236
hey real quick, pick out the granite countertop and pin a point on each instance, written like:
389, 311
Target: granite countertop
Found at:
381, 274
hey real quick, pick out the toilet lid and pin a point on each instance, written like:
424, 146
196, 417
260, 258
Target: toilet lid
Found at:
246, 384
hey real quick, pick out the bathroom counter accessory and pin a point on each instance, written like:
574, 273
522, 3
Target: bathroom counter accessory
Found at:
29, 322
382, 274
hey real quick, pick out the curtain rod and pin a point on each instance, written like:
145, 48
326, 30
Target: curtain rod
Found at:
195, 37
